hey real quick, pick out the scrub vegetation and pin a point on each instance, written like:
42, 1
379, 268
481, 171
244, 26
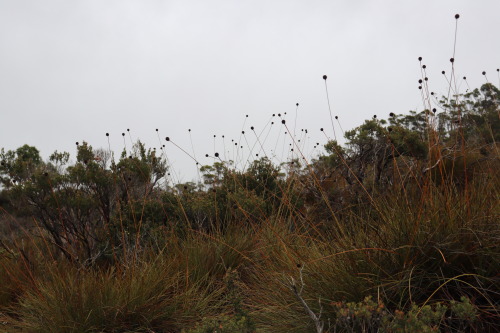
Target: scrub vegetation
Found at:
397, 230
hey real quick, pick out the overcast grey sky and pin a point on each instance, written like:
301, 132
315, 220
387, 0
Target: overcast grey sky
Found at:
72, 70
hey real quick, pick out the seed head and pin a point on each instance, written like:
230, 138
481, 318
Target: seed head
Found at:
419, 58
443, 72
167, 138
321, 129
297, 104
216, 154
391, 114
283, 121
452, 60
251, 128
424, 66
457, 16
325, 77
484, 73
107, 134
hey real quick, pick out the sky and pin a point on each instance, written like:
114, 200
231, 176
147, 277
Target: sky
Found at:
71, 71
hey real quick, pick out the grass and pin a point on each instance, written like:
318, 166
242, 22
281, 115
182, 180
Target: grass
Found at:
396, 232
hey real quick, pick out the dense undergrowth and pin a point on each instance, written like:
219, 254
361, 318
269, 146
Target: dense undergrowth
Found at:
396, 231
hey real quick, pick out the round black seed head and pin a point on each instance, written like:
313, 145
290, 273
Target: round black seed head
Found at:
283, 121
452, 60
247, 116
424, 66
419, 87
189, 130
374, 116
157, 130
432, 92
391, 114
336, 117
167, 138
443, 72
274, 114
297, 104
279, 114
321, 129
325, 77
77, 143
123, 134
484, 73
206, 155
457, 16
216, 154
107, 134
465, 78
419, 81
299, 265
426, 78
128, 129
419, 58
434, 110
163, 146
242, 132
251, 128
